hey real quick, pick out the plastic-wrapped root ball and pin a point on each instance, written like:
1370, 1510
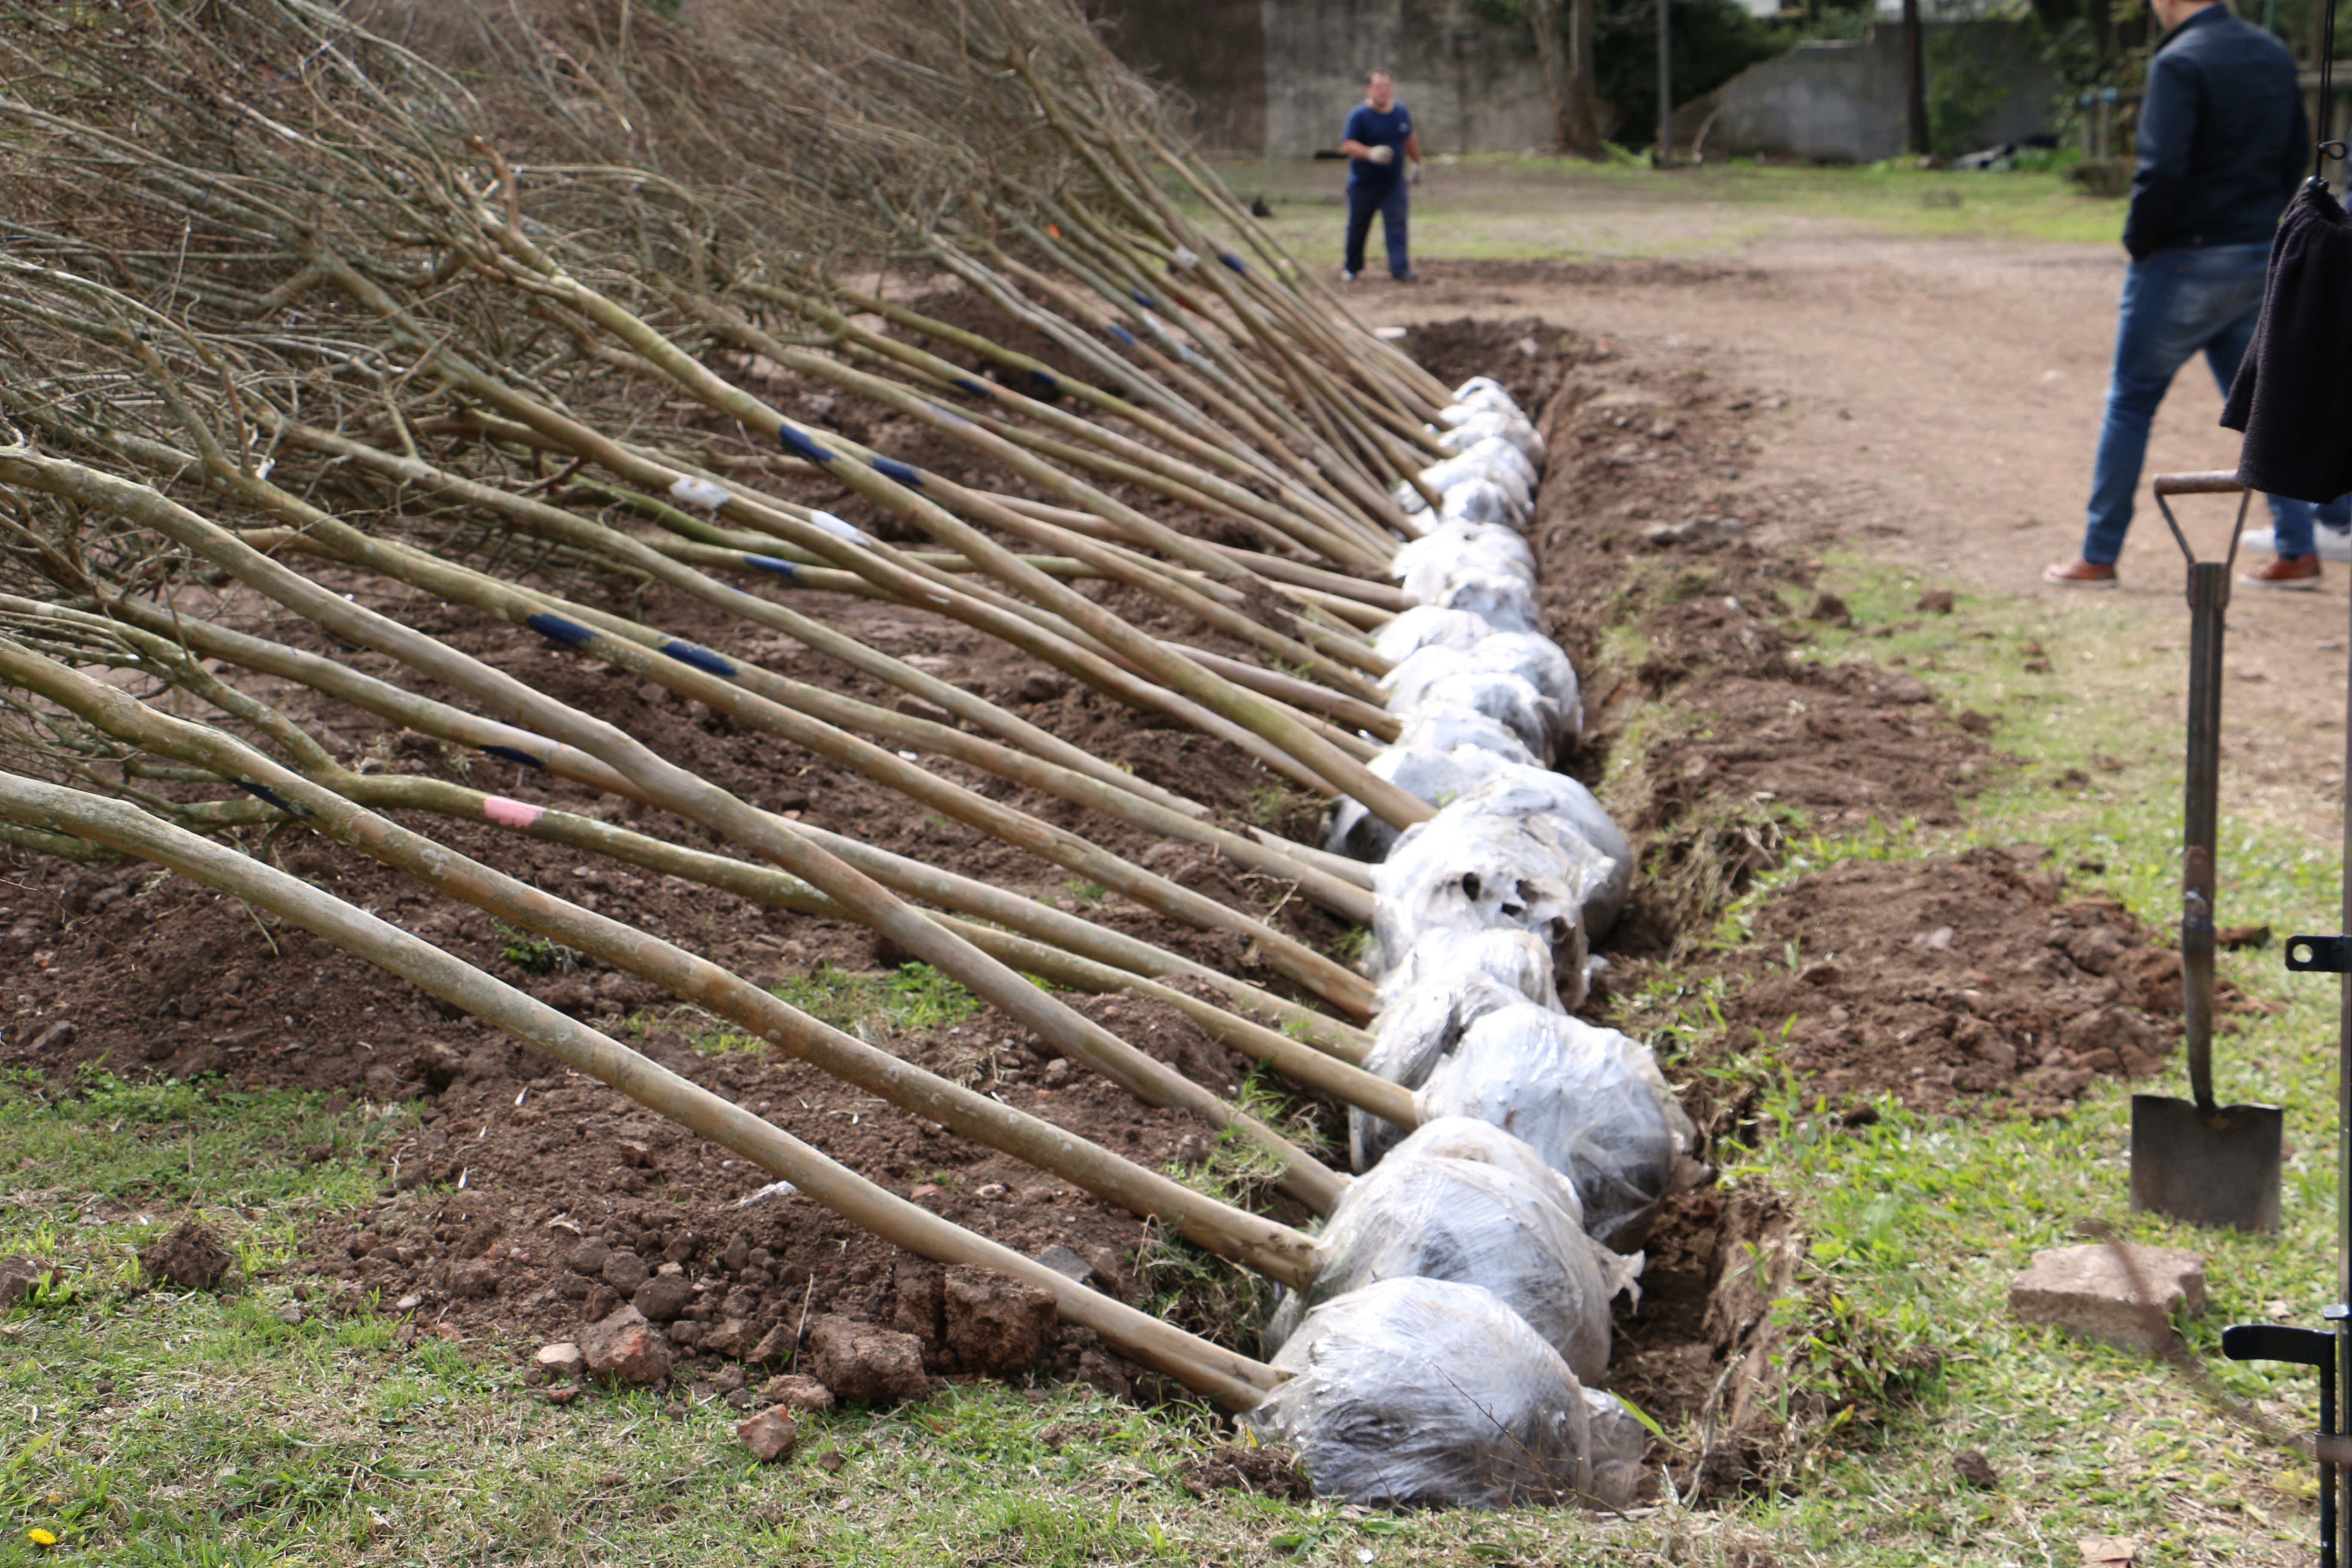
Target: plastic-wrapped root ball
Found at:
1413, 1034
1539, 661
1454, 676
1449, 726
1582, 1097
1460, 1137
1423, 567
1518, 958
1429, 625
1516, 789
1502, 597
1485, 392
1445, 752
1482, 501
1461, 424
1474, 871
1620, 1444
1423, 772
1432, 1217
1492, 459
1424, 1391
1503, 456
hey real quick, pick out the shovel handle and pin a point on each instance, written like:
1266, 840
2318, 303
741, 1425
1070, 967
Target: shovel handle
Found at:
2209, 597
2211, 482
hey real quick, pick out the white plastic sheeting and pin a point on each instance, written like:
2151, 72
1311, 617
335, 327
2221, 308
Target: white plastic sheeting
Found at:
1481, 500
1463, 1282
1585, 1097
1423, 567
1413, 1033
1433, 1218
1516, 958
1477, 870
1429, 625
1425, 1391
1423, 772
1494, 459
1467, 424
1516, 789
1449, 726
1485, 392
1486, 683
1460, 1137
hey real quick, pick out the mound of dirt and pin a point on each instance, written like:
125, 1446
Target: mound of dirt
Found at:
1968, 977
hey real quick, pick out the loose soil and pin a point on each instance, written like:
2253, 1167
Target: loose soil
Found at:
528, 1201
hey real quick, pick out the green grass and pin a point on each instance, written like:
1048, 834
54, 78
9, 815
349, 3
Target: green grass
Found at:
1916, 1226
910, 998
535, 955
1508, 208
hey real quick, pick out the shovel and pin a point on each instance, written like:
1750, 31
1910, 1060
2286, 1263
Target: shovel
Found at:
2208, 1164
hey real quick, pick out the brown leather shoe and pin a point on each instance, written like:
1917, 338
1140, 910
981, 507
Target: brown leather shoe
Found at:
2080, 573
2284, 571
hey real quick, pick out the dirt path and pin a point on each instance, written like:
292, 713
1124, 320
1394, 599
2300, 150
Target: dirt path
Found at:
1943, 401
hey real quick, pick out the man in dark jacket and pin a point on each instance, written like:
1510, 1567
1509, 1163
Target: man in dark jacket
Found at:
2223, 142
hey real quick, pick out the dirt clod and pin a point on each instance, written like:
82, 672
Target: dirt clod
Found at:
994, 1324
859, 1361
623, 1345
19, 1276
1972, 1466
190, 1257
772, 1434
791, 1390
1267, 1472
562, 1358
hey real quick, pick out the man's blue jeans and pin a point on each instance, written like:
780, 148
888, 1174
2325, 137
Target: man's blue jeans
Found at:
2176, 304
1389, 201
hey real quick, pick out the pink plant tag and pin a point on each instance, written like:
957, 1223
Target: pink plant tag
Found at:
511, 813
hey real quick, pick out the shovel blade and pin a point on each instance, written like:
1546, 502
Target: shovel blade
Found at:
2220, 1170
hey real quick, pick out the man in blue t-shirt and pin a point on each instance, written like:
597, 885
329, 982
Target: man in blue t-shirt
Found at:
1379, 141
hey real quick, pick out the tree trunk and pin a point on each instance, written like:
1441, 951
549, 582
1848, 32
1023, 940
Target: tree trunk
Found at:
1584, 101
1567, 75
1914, 56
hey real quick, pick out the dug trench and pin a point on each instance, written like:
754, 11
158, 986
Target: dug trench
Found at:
519, 1202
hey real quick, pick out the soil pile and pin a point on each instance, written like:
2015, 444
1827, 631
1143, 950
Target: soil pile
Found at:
1973, 976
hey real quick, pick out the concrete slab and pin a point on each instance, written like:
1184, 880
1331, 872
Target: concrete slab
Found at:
2088, 1291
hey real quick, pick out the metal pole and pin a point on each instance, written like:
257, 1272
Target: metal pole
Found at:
2340, 1484
1664, 156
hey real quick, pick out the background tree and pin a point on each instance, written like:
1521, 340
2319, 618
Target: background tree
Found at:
1565, 45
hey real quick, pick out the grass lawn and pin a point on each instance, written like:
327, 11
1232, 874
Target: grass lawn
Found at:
1502, 207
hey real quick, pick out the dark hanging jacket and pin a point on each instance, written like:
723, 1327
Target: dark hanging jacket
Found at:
2222, 138
2292, 397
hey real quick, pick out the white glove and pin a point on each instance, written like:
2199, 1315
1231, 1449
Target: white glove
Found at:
1382, 155
1412, 173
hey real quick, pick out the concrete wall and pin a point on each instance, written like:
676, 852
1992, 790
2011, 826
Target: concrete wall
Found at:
1841, 101
1278, 76
1211, 52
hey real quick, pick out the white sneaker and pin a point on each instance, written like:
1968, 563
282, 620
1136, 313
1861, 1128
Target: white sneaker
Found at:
1346, 277
2332, 543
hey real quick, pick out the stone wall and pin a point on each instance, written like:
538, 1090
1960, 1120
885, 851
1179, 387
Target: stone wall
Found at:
1278, 76
1841, 101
